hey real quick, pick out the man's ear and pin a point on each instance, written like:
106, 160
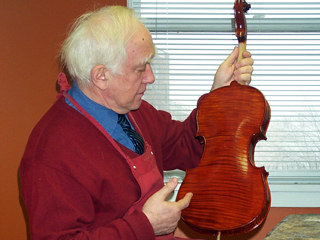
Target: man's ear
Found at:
99, 76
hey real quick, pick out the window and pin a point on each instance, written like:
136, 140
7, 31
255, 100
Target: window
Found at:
194, 37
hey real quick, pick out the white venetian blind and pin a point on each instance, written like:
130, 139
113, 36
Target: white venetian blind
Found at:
194, 37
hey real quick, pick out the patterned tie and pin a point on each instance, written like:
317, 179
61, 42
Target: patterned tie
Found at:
135, 137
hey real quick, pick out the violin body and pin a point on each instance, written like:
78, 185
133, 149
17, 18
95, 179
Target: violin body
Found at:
230, 194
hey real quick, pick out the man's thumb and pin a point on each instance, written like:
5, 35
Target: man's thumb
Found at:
233, 56
168, 188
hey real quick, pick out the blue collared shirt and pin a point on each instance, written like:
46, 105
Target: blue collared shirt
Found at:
106, 117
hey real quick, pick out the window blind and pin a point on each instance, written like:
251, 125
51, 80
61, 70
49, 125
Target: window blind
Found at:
194, 37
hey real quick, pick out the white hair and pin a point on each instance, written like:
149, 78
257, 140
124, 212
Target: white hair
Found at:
99, 37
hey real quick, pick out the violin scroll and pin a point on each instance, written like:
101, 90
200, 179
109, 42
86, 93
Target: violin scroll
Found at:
240, 8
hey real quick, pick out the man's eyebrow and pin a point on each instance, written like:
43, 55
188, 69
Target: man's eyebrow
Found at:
147, 59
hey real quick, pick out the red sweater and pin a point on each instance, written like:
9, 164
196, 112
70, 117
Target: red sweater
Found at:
74, 183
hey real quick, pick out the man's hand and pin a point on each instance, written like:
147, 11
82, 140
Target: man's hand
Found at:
231, 70
163, 215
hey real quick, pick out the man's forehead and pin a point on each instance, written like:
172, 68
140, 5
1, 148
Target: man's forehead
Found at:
141, 48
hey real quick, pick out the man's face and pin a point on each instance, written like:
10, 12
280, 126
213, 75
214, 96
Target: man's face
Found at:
127, 89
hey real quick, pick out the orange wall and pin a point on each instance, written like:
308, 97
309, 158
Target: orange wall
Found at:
30, 35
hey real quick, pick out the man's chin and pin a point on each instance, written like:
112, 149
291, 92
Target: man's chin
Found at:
136, 106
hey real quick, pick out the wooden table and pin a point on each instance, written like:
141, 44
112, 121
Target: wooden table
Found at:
296, 227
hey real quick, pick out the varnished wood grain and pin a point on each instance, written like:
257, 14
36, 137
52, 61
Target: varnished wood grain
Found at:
231, 194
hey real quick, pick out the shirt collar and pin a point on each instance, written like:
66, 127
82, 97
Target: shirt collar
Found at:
106, 117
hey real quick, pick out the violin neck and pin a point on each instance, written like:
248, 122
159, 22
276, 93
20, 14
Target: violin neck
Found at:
242, 48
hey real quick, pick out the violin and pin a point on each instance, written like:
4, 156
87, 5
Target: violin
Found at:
230, 194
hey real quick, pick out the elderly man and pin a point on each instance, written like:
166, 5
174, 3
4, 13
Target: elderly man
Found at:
93, 165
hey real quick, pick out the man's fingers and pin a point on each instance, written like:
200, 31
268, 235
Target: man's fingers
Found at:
184, 202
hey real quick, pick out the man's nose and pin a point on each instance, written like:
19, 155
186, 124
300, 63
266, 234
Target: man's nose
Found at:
148, 75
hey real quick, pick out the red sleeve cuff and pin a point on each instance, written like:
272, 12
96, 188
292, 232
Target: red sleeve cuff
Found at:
140, 225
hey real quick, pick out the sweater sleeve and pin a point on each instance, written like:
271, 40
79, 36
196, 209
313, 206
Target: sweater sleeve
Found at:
182, 149
175, 142
58, 210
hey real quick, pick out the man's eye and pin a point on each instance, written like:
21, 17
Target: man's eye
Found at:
141, 69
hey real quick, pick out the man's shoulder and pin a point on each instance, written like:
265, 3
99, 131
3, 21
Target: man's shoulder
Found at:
60, 118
